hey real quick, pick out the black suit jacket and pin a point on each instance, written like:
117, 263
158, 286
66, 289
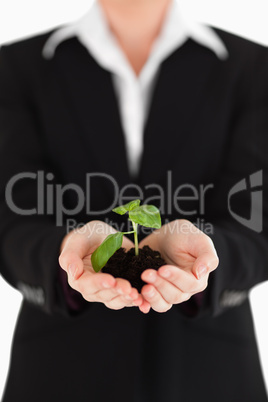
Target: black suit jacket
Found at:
208, 124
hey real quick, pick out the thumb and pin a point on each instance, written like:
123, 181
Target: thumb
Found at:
71, 257
204, 264
72, 264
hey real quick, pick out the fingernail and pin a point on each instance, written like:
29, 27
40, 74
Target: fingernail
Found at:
151, 276
120, 291
201, 271
150, 294
72, 270
165, 273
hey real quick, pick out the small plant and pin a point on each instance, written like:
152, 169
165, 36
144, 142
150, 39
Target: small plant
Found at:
144, 215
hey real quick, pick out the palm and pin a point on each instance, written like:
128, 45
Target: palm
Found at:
177, 247
175, 255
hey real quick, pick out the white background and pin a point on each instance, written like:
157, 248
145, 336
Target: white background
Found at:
23, 18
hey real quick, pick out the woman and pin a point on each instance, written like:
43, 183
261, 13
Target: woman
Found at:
133, 101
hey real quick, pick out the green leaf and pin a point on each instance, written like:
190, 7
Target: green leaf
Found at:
127, 207
105, 251
146, 215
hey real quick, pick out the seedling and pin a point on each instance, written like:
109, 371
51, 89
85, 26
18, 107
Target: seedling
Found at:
144, 215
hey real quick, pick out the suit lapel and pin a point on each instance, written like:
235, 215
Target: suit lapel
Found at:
93, 101
175, 109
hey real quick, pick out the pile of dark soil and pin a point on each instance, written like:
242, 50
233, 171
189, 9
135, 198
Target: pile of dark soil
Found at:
128, 266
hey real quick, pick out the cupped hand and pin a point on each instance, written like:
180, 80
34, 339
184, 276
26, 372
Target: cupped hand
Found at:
75, 258
190, 257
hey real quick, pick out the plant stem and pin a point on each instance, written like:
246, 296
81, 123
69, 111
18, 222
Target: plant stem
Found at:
135, 227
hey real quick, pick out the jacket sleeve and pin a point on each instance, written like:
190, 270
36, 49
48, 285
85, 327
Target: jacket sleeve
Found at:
29, 238
240, 206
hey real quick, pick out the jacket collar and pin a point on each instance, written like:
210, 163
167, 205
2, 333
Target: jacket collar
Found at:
93, 32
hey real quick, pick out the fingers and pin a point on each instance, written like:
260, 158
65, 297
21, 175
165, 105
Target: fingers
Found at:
72, 264
115, 293
119, 302
155, 299
133, 298
202, 248
79, 243
90, 283
207, 262
170, 285
71, 258
122, 289
145, 307
170, 291
183, 280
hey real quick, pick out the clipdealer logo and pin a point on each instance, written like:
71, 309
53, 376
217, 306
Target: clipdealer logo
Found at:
179, 200
255, 222
185, 199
